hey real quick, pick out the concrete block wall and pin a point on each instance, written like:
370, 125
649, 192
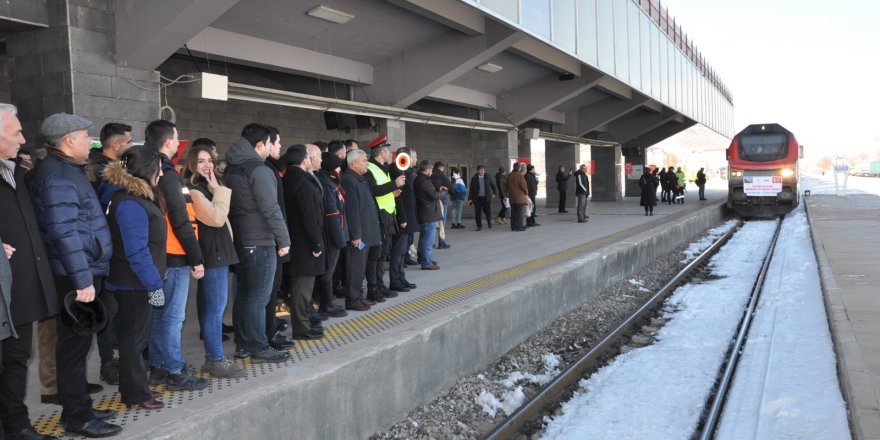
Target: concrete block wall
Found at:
605, 183
560, 153
5, 87
69, 67
450, 145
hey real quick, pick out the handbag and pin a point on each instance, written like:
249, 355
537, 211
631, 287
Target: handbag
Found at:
506, 202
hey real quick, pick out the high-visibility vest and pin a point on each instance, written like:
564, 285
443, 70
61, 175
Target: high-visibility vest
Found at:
386, 202
173, 246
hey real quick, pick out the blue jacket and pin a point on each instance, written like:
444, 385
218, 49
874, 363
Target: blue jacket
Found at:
71, 221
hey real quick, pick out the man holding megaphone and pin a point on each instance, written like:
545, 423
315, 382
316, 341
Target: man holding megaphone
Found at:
384, 190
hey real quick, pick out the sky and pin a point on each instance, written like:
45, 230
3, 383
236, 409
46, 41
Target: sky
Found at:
810, 65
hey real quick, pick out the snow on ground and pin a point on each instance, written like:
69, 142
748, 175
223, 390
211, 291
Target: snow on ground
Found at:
659, 391
825, 184
786, 382
701, 245
514, 396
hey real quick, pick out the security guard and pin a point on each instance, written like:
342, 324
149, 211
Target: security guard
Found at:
385, 190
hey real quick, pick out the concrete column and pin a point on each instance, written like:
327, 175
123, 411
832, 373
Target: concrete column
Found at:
396, 131
69, 67
605, 181
636, 156
493, 149
556, 154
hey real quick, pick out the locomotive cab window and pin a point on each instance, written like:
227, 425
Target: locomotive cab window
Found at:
763, 147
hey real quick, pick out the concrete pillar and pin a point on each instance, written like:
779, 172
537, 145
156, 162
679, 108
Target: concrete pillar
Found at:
605, 181
635, 156
396, 131
69, 67
567, 155
493, 149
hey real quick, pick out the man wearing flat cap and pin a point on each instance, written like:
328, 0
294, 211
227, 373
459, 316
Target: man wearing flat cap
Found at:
78, 245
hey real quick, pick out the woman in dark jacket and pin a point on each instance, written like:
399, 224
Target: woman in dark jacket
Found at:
648, 185
501, 183
136, 216
211, 204
335, 231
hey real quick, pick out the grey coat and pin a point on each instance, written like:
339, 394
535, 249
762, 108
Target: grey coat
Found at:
7, 327
254, 212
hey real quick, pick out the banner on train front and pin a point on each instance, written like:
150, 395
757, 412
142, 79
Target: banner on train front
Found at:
762, 186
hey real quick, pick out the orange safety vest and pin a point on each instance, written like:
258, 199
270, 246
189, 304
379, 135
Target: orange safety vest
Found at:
173, 246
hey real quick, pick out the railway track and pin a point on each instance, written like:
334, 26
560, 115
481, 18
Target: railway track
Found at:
553, 392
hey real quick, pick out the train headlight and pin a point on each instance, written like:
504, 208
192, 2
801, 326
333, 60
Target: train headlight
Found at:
787, 172
736, 173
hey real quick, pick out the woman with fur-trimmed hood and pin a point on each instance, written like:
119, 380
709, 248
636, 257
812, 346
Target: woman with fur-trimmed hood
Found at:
136, 216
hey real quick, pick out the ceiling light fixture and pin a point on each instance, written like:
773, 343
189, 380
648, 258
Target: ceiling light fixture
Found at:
330, 14
489, 67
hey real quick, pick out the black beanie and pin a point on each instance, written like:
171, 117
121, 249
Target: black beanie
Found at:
330, 162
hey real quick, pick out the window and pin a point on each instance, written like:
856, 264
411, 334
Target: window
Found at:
764, 147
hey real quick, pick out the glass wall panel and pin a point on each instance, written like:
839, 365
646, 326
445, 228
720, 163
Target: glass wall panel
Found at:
655, 61
621, 46
645, 51
664, 68
587, 46
632, 24
564, 24
605, 27
507, 8
536, 17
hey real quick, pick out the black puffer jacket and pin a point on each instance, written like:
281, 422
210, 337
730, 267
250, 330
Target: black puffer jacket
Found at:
71, 220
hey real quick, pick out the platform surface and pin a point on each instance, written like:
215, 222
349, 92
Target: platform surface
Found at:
846, 235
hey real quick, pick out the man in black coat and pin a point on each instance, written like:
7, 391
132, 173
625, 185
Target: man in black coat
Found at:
407, 222
305, 222
33, 292
532, 183
480, 194
428, 211
562, 186
582, 191
363, 228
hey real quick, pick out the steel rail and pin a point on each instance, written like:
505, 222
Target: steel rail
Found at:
714, 412
551, 392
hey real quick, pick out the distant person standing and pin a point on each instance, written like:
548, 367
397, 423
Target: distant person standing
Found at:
457, 194
664, 186
680, 181
648, 185
428, 211
671, 185
531, 177
562, 186
518, 193
501, 184
701, 183
481, 193
582, 191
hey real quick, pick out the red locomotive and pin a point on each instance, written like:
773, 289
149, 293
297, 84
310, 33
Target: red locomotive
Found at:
762, 172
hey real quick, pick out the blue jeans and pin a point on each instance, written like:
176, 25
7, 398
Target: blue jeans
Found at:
256, 274
215, 286
168, 321
457, 207
426, 242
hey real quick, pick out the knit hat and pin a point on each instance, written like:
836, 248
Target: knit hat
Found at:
330, 162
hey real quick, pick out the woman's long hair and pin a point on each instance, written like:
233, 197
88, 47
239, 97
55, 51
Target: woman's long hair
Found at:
144, 163
191, 168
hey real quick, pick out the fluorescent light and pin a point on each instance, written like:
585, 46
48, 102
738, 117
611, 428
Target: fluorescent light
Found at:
330, 14
489, 67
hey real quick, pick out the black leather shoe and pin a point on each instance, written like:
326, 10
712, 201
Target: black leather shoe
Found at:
103, 413
96, 428
94, 388
335, 311
28, 433
409, 284
281, 343
311, 334
410, 262
51, 399
399, 288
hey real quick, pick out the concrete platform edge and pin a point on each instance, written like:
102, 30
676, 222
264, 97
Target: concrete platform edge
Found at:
841, 330
365, 387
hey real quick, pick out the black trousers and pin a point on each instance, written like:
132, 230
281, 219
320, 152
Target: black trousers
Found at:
323, 292
373, 271
71, 352
107, 337
516, 216
503, 212
13, 378
135, 315
561, 200
484, 205
300, 302
355, 266
399, 248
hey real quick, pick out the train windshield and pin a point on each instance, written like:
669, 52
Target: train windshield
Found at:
764, 147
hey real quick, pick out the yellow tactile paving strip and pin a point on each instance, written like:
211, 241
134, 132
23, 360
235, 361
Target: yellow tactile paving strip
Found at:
346, 332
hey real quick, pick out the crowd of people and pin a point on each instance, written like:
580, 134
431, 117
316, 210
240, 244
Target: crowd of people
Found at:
672, 183
104, 243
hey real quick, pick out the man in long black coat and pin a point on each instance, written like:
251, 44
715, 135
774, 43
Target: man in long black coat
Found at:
305, 222
363, 228
33, 290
